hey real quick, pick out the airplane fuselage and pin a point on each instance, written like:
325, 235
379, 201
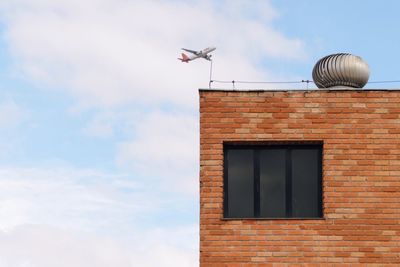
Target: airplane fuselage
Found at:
197, 54
207, 50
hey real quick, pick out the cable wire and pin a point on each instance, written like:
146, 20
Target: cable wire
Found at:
258, 82
394, 81
287, 82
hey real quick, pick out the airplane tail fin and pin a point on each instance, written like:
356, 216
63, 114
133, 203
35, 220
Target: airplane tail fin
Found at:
184, 58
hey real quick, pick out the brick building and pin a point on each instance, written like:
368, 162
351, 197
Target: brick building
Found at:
300, 177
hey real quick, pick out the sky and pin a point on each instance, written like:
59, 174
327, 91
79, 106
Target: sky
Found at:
99, 121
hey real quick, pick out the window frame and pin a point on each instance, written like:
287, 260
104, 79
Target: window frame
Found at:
257, 147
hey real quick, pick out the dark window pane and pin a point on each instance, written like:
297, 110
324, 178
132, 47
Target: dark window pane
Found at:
240, 183
272, 183
305, 179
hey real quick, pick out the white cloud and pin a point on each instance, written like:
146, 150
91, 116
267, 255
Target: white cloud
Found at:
109, 52
63, 201
41, 246
45, 246
11, 114
102, 125
68, 197
13, 118
165, 149
63, 216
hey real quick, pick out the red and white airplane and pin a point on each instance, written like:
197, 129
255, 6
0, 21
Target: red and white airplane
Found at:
196, 54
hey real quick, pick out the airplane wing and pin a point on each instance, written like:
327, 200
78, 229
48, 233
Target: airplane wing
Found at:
191, 51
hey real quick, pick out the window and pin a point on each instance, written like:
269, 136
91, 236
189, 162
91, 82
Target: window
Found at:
272, 181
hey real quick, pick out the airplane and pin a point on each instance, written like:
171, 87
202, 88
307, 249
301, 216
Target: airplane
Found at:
196, 54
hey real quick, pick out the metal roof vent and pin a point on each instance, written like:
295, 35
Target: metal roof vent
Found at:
340, 70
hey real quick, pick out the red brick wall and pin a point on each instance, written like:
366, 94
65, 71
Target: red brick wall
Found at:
360, 131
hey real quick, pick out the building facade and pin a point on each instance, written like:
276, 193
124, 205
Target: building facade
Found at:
300, 177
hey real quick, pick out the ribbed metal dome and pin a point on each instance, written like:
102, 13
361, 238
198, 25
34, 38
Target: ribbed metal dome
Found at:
340, 70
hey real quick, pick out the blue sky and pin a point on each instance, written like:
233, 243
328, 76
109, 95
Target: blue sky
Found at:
99, 120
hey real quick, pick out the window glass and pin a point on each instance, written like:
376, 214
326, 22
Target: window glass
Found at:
240, 183
305, 179
272, 183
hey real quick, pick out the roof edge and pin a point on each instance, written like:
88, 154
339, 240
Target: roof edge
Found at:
297, 90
